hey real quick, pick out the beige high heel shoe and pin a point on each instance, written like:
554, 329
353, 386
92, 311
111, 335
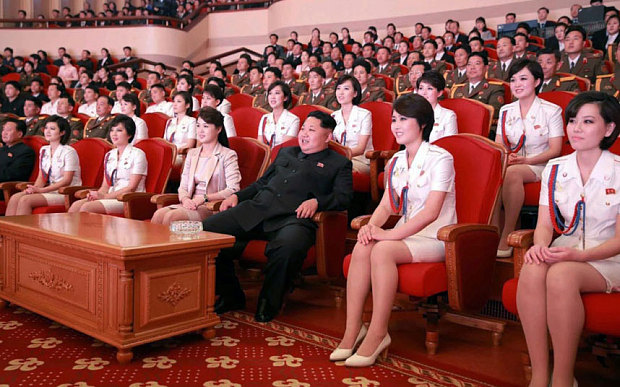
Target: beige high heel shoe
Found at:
365, 361
342, 354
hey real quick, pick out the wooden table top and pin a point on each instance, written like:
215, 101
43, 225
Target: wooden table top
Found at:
126, 237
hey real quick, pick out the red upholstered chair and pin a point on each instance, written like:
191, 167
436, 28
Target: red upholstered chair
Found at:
91, 152
302, 111
142, 82
471, 116
10, 187
239, 100
246, 121
601, 309
506, 86
142, 108
403, 69
253, 159
11, 77
492, 53
382, 140
155, 122
52, 69
83, 117
389, 81
46, 79
582, 82
471, 244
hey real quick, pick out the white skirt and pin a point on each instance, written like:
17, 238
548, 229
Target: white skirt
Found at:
112, 206
54, 199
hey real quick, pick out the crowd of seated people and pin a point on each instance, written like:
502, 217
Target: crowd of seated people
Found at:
341, 77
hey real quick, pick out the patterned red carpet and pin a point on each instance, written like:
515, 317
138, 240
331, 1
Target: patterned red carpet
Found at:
35, 351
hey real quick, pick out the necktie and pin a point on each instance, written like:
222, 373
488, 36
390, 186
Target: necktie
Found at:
471, 88
503, 67
572, 66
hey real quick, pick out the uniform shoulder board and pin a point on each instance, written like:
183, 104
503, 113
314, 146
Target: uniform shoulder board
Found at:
75, 119
566, 79
22, 118
458, 85
497, 83
599, 76
299, 80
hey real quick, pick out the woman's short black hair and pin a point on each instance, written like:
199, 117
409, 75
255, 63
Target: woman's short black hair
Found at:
187, 97
417, 107
286, 90
608, 107
128, 124
213, 117
220, 82
432, 78
356, 86
532, 66
214, 91
133, 99
63, 126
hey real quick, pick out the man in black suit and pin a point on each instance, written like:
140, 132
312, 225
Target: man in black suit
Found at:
85, 61
13, 101
608, 35
543, 13
128, 56
16, 158
278, 208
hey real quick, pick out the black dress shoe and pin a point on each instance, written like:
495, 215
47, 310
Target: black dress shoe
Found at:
227, 303
264, 311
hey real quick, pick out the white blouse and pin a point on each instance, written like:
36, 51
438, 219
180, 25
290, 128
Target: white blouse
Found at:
359, 124
118, 172
229, 125
272, 133
162, 107
179, 132
542, 122
445, 124
142, 131
224, 107
89, 110
432, 169
65, 159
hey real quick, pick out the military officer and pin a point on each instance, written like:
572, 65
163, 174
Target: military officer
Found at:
32, 108
459, 74
242, 78
501, 68
317, 95
406, 83
548, 60
99, 126
254, 87
385, 67
575, 61
429, 51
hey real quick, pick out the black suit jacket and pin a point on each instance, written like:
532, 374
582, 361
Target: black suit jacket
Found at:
16, 162
291, 179
552, 43
599, 39
101, 63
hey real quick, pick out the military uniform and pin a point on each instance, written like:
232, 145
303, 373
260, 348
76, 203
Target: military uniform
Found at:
402, 85
557, 83
438, 65
376, 82
324, 98
25, 80
372, 94
452, 77
228, 91
331, 85
241, 81
260, 101
145, 96
33, 128
78, 96
297, 86
389, 70
168, 82
94, 128
587, 67
74, 123
252, 90
495, 70
609, 84
488, 92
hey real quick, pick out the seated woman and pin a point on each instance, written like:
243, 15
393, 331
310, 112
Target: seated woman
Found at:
210, 172
59, 166
212, 96
224, 107
430, 206
280, 125
125, 169
130, 106
186, 83
353, 124
67, 72
430, 86
181, 129
585, 257
304, 66
531, 129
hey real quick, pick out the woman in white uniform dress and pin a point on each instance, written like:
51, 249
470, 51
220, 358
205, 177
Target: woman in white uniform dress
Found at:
181, 129
186, 83
211, 172
59, 166
353, 123
430, 86
579, 261
280, 125
212, 96
531, 129
125, 169
421, 188
130, 106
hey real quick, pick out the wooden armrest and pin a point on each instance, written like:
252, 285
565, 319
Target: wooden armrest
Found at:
70, 193
22, 186
164, 200
471, 253
372, 154
182, 151
9, 188
330, 242
360, 221
214, 206
521, 241
137, 205
388, 154
81, 194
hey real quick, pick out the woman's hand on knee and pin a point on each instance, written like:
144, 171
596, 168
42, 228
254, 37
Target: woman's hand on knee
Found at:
536, 254
92, 195
560, 254
30, 189
364, 235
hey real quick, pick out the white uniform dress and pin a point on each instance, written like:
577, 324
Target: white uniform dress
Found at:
50, 108
602, 196
445, 124
432, 169
272, 133
118, 173
359, 124
89, 110
542, 122
229, 125
65, 159
224, 107
162, 107
142, 131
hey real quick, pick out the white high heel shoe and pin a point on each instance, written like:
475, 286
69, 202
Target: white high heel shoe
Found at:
342, 354
365, 361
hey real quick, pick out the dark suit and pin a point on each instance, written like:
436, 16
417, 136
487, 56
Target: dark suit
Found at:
599, 39
552, 43
125, 59
266, 211
87, 63
16, 162
104, 62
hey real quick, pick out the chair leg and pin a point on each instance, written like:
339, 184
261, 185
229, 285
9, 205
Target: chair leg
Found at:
432, 332
488, 324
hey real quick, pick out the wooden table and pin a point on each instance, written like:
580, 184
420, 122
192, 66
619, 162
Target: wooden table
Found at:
122, 281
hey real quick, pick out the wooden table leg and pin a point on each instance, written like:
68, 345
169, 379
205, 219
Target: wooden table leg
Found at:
208, 333
124, 355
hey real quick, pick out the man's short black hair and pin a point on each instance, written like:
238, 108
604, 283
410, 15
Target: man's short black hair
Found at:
34, 100
485, 60
326, 120
20, 124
